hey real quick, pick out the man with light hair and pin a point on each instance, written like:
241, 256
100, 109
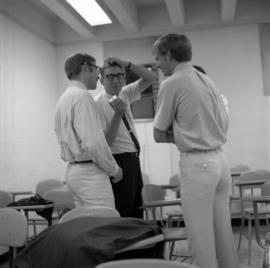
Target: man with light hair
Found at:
191, 114
82, 142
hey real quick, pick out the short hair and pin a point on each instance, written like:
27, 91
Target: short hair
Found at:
106, 64
178, 45
74, 62
199, 68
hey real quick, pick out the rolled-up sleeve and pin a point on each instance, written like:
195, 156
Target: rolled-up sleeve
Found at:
165, 112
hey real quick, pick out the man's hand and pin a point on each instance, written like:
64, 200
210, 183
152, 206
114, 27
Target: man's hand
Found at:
118, 105
118, 177
122, 63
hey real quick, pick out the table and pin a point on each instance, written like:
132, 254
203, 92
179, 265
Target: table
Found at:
35, 208
15, 193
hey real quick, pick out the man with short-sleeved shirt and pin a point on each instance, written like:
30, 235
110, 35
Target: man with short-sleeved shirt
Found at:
114, 106
82, 142
191, 114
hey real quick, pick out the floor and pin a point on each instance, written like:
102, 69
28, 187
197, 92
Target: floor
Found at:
257, 253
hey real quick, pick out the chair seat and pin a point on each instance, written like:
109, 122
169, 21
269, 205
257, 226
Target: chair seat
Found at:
174, 234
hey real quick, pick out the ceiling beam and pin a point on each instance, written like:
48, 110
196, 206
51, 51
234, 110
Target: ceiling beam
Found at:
73, 19
176, 12
126, 13
228, 8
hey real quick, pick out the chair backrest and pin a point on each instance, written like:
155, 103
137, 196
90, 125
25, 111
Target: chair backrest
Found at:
95, 211
239, 168
152, 192
44, 186
145, 263
253, 189
175, 180
258, 174
5, 199
61, 197
13, 231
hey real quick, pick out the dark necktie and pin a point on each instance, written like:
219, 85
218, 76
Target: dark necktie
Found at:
133, 137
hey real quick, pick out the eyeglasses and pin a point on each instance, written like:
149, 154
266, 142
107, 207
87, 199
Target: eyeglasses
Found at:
95, 66
119, 76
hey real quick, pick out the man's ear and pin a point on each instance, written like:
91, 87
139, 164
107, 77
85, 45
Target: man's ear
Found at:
101, 80
84, 67
168, 55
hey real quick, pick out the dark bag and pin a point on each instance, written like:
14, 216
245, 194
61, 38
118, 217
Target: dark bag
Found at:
35, 200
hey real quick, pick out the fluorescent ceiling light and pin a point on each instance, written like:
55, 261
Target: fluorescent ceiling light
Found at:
90, 11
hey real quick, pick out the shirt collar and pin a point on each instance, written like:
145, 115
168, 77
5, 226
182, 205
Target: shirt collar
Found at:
181, 66
76, 83
107, 96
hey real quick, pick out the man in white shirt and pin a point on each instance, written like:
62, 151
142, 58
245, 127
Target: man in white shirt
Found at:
114, 106
81, 139
190, 104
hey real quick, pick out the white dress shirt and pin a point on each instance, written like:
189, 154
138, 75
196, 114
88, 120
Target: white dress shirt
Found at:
78, 129
123, 142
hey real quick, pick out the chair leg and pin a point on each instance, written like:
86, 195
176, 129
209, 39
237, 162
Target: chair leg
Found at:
241, 231
249, 240
12, 256
171, 249
35, 228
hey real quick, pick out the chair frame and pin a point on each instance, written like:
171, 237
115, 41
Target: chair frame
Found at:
155, 207
256, 202
252, 180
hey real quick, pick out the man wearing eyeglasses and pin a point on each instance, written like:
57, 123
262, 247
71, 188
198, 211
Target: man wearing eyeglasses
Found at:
119, 129
82, 142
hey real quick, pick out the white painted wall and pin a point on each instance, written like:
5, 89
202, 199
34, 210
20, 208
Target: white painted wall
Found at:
28, 151
32, 78
231, 56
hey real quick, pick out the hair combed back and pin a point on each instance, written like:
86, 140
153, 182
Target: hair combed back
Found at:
74, 62
178, 45
107, 64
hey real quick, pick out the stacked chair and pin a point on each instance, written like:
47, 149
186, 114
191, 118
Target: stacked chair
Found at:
252, 184
155, 205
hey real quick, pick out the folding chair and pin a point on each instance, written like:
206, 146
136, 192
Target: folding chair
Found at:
154, 203
41, 188
250, 185
13, 231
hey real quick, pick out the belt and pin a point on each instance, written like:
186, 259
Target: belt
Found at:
133, 154
202, 151
82, 162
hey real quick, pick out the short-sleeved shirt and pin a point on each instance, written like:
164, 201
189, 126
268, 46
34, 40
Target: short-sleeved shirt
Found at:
189, 102
123, 142
78, 129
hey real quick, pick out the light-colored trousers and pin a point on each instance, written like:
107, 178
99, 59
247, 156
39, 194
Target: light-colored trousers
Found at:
205, 188
89, 185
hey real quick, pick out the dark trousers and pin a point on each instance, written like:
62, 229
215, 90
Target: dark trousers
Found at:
127, 192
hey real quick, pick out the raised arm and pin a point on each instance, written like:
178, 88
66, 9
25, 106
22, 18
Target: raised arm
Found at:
146, 76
